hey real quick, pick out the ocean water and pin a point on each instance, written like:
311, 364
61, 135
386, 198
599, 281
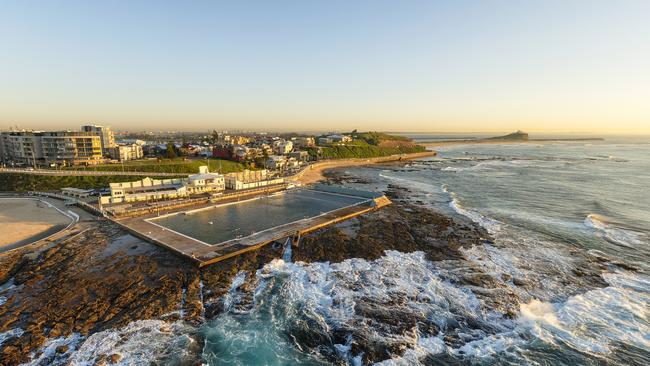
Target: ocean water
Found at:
555, 210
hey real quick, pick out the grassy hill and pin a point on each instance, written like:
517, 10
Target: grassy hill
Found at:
369, 145
179, 166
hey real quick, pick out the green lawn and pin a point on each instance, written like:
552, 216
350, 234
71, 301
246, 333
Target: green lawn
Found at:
32, 182
169, 166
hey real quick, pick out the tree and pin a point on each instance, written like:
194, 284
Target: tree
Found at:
214, 137
171, 150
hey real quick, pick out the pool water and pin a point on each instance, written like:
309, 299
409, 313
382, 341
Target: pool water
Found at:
230, 221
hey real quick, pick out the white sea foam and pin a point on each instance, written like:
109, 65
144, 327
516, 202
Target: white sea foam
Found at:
47, 354
286, 255
412, 356
16, 332
491, 346
202, 297
619, 311
492, 165
330, 296
491, 225
607, 230
142, 342
234, 295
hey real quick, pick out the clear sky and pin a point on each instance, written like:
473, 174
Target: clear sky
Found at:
398, 65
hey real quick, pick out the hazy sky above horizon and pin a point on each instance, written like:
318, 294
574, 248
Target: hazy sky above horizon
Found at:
552, 65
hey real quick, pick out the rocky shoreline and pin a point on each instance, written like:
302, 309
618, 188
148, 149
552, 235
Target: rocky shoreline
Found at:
105, 279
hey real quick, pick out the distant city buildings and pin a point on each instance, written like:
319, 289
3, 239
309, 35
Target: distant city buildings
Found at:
96, 144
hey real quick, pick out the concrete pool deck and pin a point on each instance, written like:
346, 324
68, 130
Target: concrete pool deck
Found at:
204, 253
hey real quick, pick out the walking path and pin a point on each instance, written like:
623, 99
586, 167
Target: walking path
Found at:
85, 172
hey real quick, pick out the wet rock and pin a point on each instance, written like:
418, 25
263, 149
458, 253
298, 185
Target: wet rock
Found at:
87, 284
62, 349
100, 361
114, 358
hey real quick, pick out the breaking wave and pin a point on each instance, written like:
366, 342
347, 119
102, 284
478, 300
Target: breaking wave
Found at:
329, 311
499, 164
607, 230
140, 342
491, 225
618, 311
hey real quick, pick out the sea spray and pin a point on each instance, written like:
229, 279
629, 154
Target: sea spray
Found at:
338, 305
201, 296
286, 255
141, 342
234, 294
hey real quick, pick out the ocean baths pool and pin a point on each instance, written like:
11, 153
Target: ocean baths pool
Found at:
221, 223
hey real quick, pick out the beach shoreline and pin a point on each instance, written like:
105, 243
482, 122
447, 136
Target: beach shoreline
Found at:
25, 220
314, 172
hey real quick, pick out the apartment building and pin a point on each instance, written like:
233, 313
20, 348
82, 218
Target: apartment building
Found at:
20, 148
106, 136
28, 148
125, 152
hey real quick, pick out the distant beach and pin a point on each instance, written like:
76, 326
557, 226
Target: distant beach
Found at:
314, 172
23, 221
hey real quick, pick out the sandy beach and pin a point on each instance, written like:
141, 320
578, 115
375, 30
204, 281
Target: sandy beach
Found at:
314, 172
25, 220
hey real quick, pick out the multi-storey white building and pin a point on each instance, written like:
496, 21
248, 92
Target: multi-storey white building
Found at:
282, 147
124, 152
